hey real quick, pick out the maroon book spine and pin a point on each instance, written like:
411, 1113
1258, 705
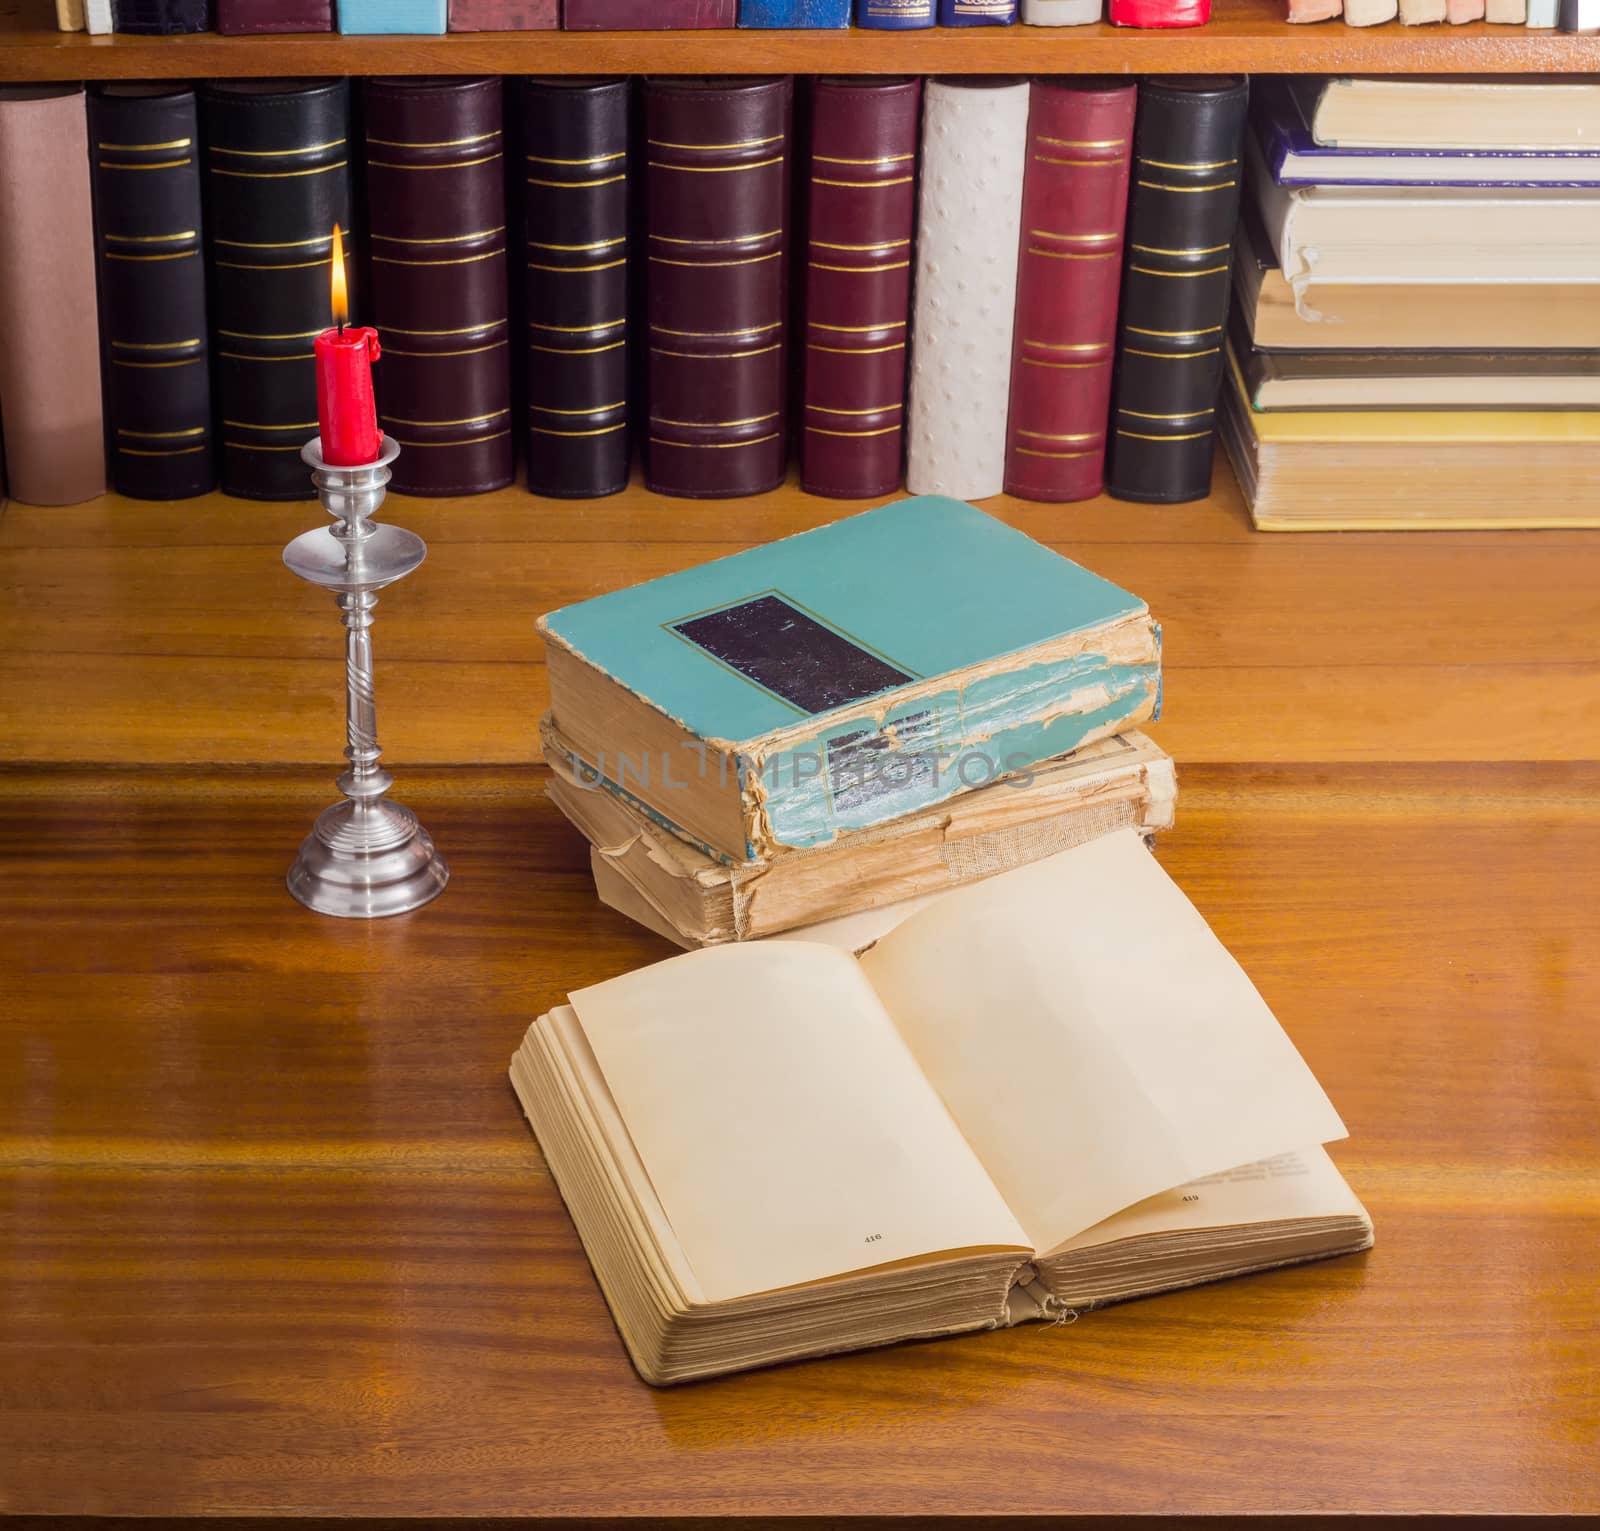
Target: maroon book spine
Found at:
862, 201
1074, 206
436, 201
717, 223
504, 15
647, 15
237, 18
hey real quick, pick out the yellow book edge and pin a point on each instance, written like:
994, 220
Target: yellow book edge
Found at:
1466, 427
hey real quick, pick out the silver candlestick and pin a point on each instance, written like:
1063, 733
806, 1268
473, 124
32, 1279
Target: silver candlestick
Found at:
365, 857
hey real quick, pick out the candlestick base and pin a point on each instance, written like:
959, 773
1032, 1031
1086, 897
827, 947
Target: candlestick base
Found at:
367, 859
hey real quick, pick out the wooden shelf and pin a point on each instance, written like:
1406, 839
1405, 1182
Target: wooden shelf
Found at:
169, 634
1245, 36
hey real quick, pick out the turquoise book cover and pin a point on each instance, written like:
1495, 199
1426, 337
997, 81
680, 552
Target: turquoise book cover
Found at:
867, 669
417, 17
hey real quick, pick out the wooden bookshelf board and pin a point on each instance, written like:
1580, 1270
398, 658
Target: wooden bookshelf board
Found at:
1244, 36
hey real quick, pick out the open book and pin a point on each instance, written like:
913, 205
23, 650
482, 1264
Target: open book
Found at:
1046, 1091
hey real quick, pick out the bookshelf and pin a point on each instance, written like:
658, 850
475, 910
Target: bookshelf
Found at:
1244, 36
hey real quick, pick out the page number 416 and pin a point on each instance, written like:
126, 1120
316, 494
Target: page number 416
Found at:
873, 1238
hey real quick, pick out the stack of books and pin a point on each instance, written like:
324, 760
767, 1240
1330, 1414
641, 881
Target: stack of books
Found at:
936, 1108
1418, 302
808, 735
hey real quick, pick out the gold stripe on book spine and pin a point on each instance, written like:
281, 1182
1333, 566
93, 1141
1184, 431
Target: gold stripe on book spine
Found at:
332, 143
610, 180
455, 164
448, 143
760, 164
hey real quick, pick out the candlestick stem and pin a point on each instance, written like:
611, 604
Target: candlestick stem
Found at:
365, 856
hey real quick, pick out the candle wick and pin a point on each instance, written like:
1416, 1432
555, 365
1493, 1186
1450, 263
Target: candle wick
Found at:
341, 329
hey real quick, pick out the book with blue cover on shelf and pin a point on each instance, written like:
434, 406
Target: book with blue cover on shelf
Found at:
424, 18
1282, 117
977, 13
895, 15
838, 679
805, 15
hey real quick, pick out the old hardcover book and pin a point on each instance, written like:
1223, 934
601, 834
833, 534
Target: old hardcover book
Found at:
1074, 203
977, 13
1060, 13
767, 701
1458, 112
504, 15
161, 17
155, 349
1335, 470
1158, 13
1419, 13
647, 15
974, 149
1506, 12
575, 207
240, 17
50, 410
97, 16
1124, 782
717, 230
1314, 10
1369, 13
894, 15
863, 204
1543, 14
423, 17
277, 155
775, 1149
1417, 316
69, 15
1181, 216
435, 164
806, 14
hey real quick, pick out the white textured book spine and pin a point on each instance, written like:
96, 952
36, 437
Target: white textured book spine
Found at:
1543, 13
1506, 12
69, 15
97, 15
1370, 13
1060, 13
1416, 13
974, 146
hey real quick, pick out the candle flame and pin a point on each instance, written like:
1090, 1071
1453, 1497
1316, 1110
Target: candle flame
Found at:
341, 285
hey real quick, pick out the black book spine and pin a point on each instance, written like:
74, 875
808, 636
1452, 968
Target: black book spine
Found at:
161, 17
575, 248
145, 168
1182, 208
277, 180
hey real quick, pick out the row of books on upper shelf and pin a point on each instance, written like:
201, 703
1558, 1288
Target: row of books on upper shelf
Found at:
1541, 15
240, 17
966, 287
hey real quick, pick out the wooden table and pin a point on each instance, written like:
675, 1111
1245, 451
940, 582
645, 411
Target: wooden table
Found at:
274, 1238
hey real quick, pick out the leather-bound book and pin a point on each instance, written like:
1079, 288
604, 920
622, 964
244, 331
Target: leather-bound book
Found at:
420, 17
806, 15
977, 13
237, 18
153, 328
863, 207
1158, 13
575, 147
1060, 13
69, 15
436, 201
974, 148
1074, 202
647, 15
717, 219
50, 409
894, 15
1181, 214
161, 17
504, 15
277, 180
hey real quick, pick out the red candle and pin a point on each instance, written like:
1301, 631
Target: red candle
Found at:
346, 411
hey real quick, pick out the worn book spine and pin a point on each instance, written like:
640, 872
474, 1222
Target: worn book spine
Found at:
647, 15
161, 17
50, 406
575, 145
894, 15
1061, 13
1543, 14
504, 15
1158, 13
863, 205
1417, 13
1181, 215
717, 232
277, 157
435, 181
1369, 13
155, 348
804, 14
367, 17
1074, 204
977, 13
1314, 10
1456, 12
1513, 13
237, 18
97, 16
69, 15
974, 148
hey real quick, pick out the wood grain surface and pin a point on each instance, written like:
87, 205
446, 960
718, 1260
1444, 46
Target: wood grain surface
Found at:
274, 1238
142, 634
1243, 35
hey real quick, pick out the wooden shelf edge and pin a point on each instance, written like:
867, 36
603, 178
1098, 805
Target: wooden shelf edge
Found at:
1248, 36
